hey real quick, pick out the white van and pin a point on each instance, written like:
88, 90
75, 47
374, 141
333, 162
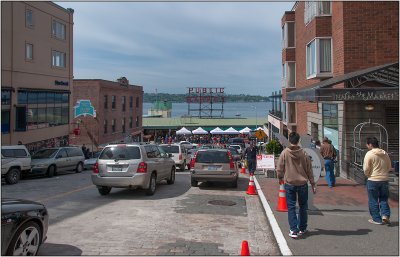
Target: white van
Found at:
14, 160
179, 155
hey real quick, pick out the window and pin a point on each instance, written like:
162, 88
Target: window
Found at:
72, 152
105, 101
137, 121
29, 51
288, 35
5, 121
5, 97
131, 102
58, 59
137, 102
113, 98
58, 30
289, 74
123, 125
20, 121
105, 126
29, 18
330, 119
123, 103
312, 9
319, 58
130, 122
113, 126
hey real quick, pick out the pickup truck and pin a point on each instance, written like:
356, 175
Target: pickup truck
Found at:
15, 159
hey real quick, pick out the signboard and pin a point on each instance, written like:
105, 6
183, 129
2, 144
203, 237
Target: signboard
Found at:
84, 107
260, 134
316, 162
266, 161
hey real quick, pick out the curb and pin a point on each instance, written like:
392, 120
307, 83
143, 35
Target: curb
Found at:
282, 244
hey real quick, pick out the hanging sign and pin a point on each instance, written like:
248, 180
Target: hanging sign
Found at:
84, 107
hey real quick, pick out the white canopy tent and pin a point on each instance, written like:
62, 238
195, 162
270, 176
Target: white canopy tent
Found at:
199, 131
260, 128
246, 130
183, 131
217, 130
231, 131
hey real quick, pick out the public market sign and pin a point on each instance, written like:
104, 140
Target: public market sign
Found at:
84, 107
266, 161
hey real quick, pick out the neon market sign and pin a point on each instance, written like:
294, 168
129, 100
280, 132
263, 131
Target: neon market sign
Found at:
84, 107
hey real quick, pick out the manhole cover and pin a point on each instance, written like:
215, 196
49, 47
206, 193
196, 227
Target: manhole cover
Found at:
222, 202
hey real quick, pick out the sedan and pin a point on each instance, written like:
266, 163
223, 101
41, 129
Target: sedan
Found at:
24, 226
88, 164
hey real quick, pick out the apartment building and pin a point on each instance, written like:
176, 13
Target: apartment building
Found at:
340, 77
118, 106
36, 73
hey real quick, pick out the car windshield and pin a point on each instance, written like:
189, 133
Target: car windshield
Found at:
170, 148
120, 153
45, 153
233, 150
212, 157
235, 146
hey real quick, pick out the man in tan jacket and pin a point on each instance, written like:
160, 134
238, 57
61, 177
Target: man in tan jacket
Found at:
376, 167
294, 167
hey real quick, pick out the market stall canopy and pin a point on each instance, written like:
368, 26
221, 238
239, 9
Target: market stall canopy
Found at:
183, 131
231, 131
246, 130
199, 131
259, 128
217, 130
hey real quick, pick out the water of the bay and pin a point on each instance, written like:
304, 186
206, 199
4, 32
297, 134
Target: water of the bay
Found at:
231, 110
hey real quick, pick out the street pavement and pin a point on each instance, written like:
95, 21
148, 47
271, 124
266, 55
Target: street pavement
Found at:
337, 221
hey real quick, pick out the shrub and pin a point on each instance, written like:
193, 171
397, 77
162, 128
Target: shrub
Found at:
274, 147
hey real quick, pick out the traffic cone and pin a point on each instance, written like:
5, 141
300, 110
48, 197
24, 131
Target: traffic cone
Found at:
243, 168
251, 190
282, 205
245, 249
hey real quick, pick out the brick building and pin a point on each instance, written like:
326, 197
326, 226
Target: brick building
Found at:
118, 107
36, 73
340, 76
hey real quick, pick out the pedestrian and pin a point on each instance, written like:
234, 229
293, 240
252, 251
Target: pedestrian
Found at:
328, 152
376, 167
294, 170
318, 144
19, 142
251, 157
84, 149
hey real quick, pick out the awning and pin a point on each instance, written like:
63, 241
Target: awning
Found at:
199, 131
387, 75
231, 131
183, 131
217, 131
246, 130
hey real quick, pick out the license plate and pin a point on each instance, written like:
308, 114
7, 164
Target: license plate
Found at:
116, 168
212, 167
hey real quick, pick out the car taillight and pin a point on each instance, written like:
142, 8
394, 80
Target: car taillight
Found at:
96, 168
231, 163
142, 168
180, 156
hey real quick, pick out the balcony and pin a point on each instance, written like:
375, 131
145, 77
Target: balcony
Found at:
276, 114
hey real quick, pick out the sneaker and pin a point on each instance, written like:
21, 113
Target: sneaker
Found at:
385, 220
292, 234
374, 222
302, 232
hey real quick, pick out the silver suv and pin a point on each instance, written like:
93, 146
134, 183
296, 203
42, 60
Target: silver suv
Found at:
14, 160
132, 166
179, 155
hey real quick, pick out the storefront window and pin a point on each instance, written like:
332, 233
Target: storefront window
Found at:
22, 97
50, 116
50, 97
32, 97
32, 118
64, 115
42, 97
331, 123
5, 97
5, 122
57, 116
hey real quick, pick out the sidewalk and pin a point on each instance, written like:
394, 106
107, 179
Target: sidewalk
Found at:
337, 221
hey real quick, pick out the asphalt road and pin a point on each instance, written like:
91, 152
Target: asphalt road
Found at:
176, 220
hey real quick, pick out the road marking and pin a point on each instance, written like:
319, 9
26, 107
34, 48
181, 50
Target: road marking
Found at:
283, 246
64, 194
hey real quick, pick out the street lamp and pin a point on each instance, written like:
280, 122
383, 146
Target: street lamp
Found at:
255, 109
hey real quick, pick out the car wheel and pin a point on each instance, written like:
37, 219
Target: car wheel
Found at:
13, 176
183, 166
171, 179
51, 171
104, 190
79, 168
26, 240
193, 182
152, 185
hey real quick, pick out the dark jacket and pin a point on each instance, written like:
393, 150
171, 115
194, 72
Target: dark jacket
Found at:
251, 153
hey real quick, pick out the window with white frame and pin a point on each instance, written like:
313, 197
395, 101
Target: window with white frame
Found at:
289, 74
288, 35
58, 59
29, 18
29, 51
58, 30
312, 9
319, 58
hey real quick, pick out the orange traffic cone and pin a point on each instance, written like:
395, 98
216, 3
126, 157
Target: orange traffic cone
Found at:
251, 190
282, 205
245, 249
243, 168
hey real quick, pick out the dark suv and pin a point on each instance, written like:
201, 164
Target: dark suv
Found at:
237, 141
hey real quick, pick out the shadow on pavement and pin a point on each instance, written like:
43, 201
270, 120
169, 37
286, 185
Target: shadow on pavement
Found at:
318, 231
336, 210
48, 249
242, 185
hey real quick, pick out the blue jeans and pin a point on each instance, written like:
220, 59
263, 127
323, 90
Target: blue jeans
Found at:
378, 194
251, 164
330, 175
292, 192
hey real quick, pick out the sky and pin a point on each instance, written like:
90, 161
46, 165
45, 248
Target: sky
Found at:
170, 46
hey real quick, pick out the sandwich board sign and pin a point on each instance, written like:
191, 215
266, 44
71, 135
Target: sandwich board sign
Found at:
84, 107
266, 161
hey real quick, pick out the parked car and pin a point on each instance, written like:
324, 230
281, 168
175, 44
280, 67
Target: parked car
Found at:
24, 226
237, 141
132, 166
15, 159
88, 164
179, 155
50, 161
235, 154
213, 165
239, 148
